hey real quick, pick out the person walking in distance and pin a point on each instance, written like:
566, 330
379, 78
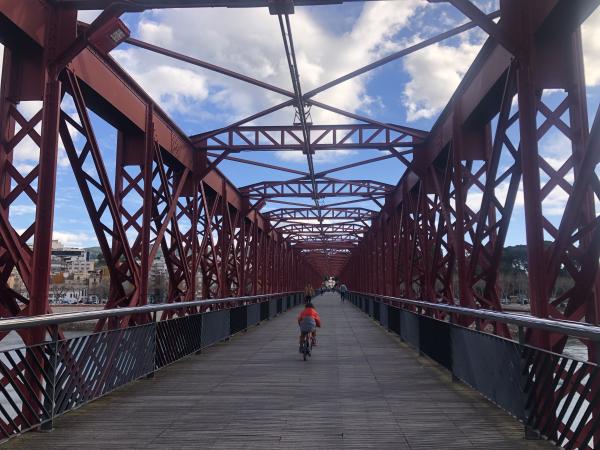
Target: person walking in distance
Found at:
309, 293
343, 292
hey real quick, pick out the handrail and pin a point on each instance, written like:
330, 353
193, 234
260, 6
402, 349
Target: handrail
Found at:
58, 319
575, 329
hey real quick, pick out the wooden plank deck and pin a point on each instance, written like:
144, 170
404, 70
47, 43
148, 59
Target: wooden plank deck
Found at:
363, 388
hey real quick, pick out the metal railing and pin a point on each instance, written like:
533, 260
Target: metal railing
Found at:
555, 396
40, 382
568, 328
63, 318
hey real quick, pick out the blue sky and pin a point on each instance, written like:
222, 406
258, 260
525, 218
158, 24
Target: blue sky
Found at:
330, 41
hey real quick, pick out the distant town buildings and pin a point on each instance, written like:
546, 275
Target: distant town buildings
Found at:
74, 277
70, 260
81, 276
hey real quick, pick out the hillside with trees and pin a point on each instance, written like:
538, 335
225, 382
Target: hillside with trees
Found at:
514, 272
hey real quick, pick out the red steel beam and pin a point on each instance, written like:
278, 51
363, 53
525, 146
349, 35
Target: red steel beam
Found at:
212, 67
140, 5
325, 213
325, 188
321, 137
397, 55
259, 164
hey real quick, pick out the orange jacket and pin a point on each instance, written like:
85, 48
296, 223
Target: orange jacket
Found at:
310, 312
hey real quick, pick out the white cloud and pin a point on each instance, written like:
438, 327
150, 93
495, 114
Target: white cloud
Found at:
555, 148
591, 48
26, 153
475, 197
29, 109
249, 42
555, 202
435, 73
22, 210
75, 239
173, 87
88, 16
157, 33
553, 205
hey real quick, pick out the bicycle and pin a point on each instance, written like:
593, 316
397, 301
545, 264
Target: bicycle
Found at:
307, 345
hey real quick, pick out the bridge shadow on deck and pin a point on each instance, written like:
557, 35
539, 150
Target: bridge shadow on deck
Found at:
362, 388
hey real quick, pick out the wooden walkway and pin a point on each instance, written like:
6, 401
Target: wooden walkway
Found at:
362, 389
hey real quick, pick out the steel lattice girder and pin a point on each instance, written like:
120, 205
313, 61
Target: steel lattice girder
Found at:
295, 214
325, 241
323, 228
322, 137
334, 242
325, 188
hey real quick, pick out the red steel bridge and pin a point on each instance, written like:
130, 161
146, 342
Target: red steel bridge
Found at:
429, 245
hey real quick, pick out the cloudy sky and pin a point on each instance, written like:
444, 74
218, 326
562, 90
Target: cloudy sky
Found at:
330, 41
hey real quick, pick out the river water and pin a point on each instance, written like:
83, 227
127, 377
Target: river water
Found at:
13, 340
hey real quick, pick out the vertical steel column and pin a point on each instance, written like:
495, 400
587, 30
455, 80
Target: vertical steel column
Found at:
255, 257
243, 245
60, 31
223, 244
194, 235
460, 197
528, 98
147, 206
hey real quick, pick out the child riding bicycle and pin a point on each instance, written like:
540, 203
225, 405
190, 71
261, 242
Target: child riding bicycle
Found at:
308, 320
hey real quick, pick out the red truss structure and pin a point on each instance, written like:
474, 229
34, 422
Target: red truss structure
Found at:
437, 235
326, 188
324, 137
346, 214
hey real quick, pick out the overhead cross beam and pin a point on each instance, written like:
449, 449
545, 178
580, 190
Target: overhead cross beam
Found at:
256, 163
307, 96
327, 228
320, 244
320, 137
140, 5
324, 188
199, 63
289, 214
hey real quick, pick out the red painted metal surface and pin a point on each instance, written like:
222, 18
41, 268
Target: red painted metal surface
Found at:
322, 137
